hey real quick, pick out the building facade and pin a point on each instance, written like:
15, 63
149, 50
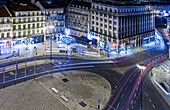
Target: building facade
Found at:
78, 18
5, 27
54, 18
121, 26
27, 24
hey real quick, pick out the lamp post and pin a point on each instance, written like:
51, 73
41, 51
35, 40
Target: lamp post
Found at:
141, 67
67, 31
51, 27
0, 50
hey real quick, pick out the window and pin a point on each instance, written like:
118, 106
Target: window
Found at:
2, 35
19, 27
101, 25
24, 26
29, 19
97, 18
33, 13
14, 34
33, 19
37, 13
8, 20
41, 18
14, 27
92, 17
101, 19
37, 18
14, 20
28, 32
19, 34
28, 13
38, 25
19, 20
33, 26
24, 33
7, 34
28, 26
33, 32
92, 22
24, 20
24, 13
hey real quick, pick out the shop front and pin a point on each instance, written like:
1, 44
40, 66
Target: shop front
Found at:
5, 43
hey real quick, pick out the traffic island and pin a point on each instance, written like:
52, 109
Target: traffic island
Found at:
160, 78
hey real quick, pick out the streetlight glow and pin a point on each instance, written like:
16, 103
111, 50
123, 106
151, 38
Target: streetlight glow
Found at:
140, 67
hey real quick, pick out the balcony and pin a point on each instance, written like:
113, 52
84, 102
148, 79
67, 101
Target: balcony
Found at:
20, 29
28, 22
5, 30
5, 22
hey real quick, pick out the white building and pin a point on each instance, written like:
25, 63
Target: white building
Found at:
54, 18
121, 26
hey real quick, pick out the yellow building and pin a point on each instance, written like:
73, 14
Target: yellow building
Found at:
5, 27
27, 24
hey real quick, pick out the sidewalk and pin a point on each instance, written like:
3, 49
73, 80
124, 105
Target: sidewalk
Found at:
162, 76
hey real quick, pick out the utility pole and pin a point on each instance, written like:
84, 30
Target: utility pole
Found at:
51, 49
169, 55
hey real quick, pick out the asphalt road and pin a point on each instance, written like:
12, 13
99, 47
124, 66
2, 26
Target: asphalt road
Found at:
122, 84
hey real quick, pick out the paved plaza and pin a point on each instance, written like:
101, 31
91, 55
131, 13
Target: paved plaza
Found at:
38, 95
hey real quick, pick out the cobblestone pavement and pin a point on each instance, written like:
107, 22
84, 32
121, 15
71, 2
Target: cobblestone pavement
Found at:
38, 95
28, 96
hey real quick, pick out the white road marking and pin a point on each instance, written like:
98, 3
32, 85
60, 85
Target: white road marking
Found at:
146, 95
30, 70
122, 96
115, 79
6, 76
113, 90
11, 73
130, 80
132, 107
153, 105
150, 100
117, 105
38, 68
23, 72
134, 101
115, 86
126, 88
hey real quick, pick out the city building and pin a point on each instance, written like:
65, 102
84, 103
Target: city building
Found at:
54, 18
168, 24
121, 26
78, 18
5, 27
27, 24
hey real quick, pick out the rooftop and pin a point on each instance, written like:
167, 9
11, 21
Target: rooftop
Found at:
21, 7
4, 12
81, 3
49, 6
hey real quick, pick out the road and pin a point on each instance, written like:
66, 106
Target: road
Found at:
123, 85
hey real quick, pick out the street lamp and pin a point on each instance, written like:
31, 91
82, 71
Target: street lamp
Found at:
50, 41
141, 67
0, 50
